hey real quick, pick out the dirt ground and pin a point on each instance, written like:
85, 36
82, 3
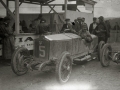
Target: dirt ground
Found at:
89, 76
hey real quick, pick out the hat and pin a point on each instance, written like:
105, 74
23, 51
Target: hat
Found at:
42, 20
94, 18
1, 19
101, 18
6, 18
79, 18
83, 18
40, 16
67, 19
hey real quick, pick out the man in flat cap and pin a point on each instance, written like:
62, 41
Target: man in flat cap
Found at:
101, 30
84, 33
68, 27
43, 27
93, 26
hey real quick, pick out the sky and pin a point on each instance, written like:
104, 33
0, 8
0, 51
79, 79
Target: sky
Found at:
106, 8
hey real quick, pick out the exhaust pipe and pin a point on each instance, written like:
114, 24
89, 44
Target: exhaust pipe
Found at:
86, 58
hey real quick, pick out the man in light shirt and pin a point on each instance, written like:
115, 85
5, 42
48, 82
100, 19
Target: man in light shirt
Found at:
93, 26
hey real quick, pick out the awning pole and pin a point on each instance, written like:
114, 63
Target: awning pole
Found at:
17, 16
41, 8
65, 8
7, 3
93, 11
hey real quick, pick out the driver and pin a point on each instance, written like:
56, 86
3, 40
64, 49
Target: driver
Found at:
68, 27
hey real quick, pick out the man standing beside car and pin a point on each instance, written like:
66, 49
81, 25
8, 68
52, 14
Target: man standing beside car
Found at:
8, 40
101, 30
93, 26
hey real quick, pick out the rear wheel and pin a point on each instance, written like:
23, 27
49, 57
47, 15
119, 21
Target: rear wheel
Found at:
20, 60
64, 68
106, 55
116, 57
100, 46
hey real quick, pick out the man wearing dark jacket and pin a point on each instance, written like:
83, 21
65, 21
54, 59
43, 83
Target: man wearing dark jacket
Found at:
101, 30
43, 27
68, 27
8, 39
93, 26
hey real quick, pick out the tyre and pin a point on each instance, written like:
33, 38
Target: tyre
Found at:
63, 68
106, 55
116, 58
19, 61
100, 46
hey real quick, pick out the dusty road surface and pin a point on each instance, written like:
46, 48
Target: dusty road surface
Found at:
90, 76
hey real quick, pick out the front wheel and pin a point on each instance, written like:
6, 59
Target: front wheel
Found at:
64, 68
106, 55
19, 61
100, 46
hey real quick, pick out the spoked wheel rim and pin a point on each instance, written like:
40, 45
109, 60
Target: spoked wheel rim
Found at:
65, 69
116, 57
20, 61
106, 56
100, 46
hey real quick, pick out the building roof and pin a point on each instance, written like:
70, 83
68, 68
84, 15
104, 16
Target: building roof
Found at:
35, 1
92, 2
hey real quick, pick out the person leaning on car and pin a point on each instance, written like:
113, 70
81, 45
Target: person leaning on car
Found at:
93, 26
101, 30
84, 33
68, 27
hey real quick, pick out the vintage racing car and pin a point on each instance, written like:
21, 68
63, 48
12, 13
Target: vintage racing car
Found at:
57, 50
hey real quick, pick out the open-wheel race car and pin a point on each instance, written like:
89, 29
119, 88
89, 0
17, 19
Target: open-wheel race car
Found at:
58, 50
108, 55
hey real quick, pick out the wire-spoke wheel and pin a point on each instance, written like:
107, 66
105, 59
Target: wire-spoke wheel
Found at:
64, 68
20, 60
100, 46
106, 55
116, 57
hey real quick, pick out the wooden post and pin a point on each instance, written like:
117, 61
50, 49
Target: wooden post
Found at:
10, 13
7, 3
93, 11
65, 8
17, 16
41, 8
